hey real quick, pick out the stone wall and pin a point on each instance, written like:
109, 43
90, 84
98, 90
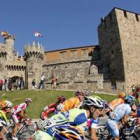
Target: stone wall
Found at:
78, 75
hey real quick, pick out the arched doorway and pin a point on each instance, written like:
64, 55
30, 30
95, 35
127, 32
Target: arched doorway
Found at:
14, 82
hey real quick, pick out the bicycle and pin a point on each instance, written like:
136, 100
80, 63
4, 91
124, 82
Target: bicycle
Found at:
131, 131
24, 132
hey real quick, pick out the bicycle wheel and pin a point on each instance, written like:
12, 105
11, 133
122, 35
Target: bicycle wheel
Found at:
26, 135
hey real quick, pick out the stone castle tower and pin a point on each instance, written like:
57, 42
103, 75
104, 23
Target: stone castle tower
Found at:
119, 41
34, 61
10, 64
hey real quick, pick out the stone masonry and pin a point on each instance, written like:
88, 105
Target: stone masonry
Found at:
119, 41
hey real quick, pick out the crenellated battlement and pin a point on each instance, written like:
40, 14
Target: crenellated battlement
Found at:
121, 14
10, 37
34, 50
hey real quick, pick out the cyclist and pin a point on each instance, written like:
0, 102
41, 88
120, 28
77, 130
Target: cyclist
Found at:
5, 109
52, 108
18, 114
119, 116
136, 93
74, 102
112, 105
77, 117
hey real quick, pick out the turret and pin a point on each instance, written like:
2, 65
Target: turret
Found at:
34, 60
6, 53
9, 42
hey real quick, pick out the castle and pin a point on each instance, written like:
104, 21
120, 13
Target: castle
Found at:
112, 63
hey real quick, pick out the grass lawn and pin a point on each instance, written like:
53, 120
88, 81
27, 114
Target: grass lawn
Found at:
40, 99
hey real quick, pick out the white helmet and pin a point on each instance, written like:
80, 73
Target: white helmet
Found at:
90, 101
9, 104
6, 103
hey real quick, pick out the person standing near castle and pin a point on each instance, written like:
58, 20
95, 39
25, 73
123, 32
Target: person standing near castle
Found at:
1, 84
33, 84
53, 84
21, 83
6, 81
41, 85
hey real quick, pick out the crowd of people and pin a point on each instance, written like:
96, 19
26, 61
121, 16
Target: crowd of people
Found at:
8, 84
42, 83
79, 115
84, 112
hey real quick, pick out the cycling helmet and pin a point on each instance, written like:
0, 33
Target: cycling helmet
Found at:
5, 104
28, 100
121, 95
90, 101
130, 99
77, 93
105, 104
87, 93
61, 98
67, 132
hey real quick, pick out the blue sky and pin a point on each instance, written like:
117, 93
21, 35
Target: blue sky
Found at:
63, 23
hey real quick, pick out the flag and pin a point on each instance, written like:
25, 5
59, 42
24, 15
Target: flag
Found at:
37, 34
4, 34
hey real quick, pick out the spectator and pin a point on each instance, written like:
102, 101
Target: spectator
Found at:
18, 83
53, 84
33, 84
21, 83
6, 81
41, 85
1, 84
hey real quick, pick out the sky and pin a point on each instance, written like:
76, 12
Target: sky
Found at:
63, 23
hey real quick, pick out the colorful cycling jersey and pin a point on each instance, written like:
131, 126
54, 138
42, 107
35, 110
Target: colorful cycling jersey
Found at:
94, 123
120, 111
115, 103
3, 118
76, 117
18, 108
71, 103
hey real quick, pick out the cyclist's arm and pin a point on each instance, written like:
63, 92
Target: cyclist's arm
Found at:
23, 115
52, 105
125, 118
133, 114
93, 134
